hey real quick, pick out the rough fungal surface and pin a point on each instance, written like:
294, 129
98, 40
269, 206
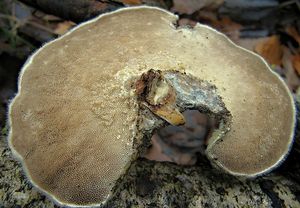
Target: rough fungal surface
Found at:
162, 96
87, 108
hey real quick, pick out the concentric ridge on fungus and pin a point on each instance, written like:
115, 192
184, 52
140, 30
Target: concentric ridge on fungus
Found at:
78, 119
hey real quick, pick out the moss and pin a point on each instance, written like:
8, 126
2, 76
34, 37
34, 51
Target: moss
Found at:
5, 130
15, 189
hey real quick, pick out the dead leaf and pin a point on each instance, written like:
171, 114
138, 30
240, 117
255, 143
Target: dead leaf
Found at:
296, 63
63, 27
294, 33
169, 113
291, 79
223, 24
190, 6
271, 50
249, 43
226, 22
132, 2
156, 152
228, 27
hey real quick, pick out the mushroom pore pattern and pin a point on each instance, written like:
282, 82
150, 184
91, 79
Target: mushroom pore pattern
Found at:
87, 105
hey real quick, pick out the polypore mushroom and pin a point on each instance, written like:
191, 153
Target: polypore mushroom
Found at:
86, 106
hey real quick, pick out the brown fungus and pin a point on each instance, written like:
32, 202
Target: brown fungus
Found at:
79, 118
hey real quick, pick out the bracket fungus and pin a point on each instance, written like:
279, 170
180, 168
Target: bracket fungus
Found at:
89, 102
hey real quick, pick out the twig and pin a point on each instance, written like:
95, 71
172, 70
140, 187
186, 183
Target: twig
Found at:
81, 10
76, 11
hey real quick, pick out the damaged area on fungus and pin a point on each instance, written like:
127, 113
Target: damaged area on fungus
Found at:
180, 92
156, 93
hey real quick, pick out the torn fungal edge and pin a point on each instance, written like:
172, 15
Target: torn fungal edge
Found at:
163, 96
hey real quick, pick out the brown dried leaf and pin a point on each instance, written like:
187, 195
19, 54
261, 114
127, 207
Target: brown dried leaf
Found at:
229, 27
271, 50
294, 33
249, 43
291, 77
170, 114
296, 63
155, 152
132, 2
227, 23
223, 24
63, 27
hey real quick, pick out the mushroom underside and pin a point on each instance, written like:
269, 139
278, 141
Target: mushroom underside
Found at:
77, 122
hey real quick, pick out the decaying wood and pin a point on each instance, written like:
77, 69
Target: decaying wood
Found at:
81, 10
76, 11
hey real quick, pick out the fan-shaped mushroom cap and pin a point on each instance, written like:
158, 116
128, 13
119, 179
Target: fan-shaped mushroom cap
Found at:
73, 121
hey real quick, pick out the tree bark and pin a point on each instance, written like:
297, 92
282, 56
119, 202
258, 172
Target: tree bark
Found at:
156, 184
81, 10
